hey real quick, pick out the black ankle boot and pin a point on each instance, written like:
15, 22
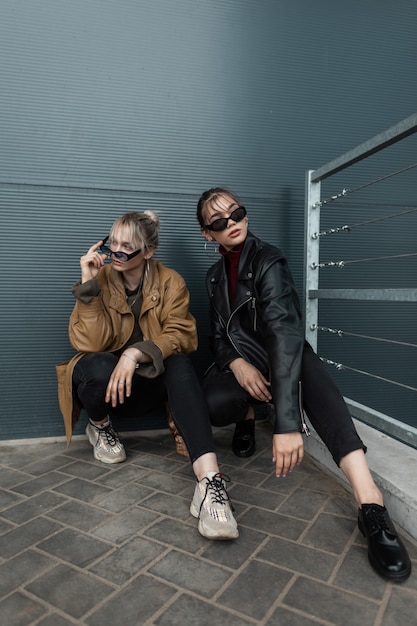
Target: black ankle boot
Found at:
243, 443
386, 552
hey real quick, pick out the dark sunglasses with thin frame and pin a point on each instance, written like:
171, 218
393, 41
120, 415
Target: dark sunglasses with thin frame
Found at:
220, 224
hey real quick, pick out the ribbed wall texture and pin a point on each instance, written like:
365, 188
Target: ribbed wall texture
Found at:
108, 106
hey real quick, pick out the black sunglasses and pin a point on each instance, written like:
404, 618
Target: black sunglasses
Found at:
220, 224
120, 256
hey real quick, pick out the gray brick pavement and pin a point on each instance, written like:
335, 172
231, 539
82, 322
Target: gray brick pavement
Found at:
86, 544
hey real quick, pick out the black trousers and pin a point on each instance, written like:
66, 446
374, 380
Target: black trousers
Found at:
178, 384
322, 402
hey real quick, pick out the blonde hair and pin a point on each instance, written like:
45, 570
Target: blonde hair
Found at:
143, 229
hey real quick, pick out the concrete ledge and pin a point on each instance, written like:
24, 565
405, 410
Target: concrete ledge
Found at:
394, 468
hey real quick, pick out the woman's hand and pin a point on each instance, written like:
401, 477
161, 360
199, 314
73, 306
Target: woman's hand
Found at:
251, 379
91, 262
287, 452
120, 382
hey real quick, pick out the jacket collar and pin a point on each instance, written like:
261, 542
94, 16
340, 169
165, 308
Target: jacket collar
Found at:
250, 249
150, 289
244, 290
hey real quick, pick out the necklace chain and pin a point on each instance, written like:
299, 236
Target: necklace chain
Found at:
138, 291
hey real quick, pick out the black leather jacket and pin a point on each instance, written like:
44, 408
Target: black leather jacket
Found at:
263, 325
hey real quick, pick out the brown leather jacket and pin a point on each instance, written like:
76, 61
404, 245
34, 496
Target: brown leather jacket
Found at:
105, 323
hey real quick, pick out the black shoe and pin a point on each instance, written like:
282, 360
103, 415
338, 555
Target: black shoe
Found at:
243, 443
386, 552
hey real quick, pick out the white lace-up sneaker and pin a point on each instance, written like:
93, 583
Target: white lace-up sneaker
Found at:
107, 446
211, 505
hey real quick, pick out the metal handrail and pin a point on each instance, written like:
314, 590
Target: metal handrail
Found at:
312, 291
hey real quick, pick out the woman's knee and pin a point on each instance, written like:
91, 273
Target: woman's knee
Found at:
225, 406
179, 367
94, 368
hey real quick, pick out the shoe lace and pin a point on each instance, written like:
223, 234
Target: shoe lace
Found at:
378, 521
216, 490
109, 434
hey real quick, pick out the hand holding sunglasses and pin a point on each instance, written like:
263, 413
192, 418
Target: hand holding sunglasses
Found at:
91, 262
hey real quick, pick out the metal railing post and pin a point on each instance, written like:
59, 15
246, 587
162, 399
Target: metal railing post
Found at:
311, 256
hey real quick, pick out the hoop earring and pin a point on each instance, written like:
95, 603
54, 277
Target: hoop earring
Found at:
211, 253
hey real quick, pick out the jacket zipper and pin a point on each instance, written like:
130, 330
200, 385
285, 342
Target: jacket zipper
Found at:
304, 426
255, 317
228, 324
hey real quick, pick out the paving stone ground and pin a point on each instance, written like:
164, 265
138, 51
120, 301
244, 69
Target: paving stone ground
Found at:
82, 543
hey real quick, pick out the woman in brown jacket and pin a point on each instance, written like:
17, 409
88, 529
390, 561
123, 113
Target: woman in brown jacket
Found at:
133, 331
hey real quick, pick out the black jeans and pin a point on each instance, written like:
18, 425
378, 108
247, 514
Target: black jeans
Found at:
178, 384
322, 401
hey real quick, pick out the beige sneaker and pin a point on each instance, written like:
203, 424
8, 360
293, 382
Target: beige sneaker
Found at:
107, 446
211, 505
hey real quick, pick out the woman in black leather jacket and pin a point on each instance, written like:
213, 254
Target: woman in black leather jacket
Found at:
261, 355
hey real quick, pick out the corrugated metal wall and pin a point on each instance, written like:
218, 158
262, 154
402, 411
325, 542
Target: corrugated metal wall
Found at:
108, 106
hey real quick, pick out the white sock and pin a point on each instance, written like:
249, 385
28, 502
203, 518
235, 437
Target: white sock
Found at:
210, 475
106, 423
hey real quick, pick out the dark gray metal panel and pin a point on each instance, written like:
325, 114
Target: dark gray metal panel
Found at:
138, 94
110, 105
